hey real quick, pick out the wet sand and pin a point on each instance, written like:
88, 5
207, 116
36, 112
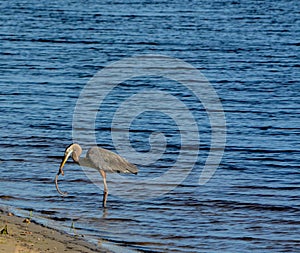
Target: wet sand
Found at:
25, 236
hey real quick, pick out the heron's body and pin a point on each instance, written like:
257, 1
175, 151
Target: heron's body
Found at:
103, 159
98, 158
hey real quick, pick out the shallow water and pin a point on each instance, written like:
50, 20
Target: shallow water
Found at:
248, 50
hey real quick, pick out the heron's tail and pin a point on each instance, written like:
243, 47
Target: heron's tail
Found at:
132, 169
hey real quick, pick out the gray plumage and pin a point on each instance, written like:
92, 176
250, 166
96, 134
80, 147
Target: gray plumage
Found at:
98, 158
108, 161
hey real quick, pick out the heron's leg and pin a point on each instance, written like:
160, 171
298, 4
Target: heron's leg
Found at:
105, 192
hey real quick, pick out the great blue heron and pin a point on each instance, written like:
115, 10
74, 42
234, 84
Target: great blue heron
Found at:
98, 158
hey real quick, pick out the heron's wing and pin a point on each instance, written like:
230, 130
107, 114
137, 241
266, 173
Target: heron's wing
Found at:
109, 161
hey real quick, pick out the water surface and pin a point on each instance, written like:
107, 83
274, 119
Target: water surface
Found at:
248, 50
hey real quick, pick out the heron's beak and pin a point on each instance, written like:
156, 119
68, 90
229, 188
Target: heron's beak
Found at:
66, 157
60, 171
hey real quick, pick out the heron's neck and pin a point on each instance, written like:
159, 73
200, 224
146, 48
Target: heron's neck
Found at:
84, 162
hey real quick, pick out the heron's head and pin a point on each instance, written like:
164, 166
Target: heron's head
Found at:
74, 150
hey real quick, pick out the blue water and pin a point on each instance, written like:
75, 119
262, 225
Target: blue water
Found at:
248, 50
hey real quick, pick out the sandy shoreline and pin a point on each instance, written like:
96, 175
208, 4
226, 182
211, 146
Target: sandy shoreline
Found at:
29, 237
